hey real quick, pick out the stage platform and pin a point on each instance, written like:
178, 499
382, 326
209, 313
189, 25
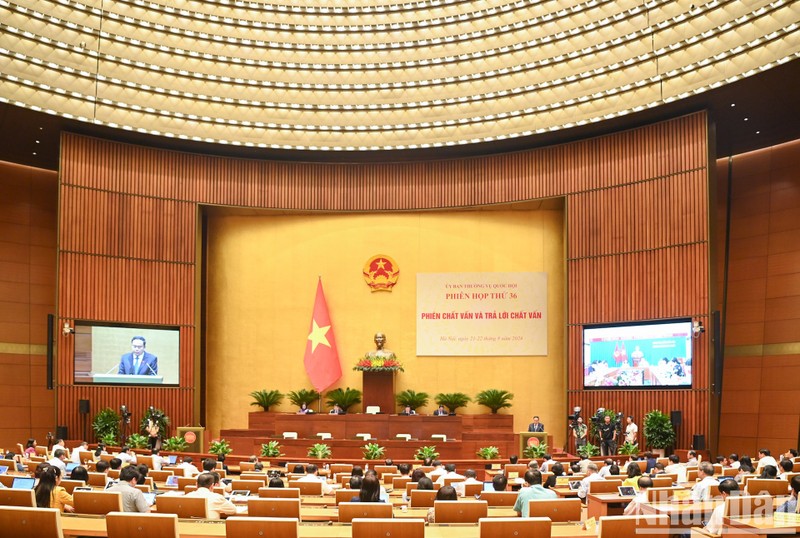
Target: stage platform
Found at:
465, 434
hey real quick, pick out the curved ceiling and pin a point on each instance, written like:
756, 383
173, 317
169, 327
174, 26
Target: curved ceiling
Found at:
378, 76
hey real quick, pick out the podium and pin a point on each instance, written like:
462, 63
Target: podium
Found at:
528, 438
378, 389
194, 436
128, 379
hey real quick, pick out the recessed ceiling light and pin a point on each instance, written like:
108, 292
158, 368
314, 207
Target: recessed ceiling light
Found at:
758, 132
733, 104
34, 153
746, 119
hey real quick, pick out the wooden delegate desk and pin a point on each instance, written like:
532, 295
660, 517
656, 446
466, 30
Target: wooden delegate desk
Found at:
760, 525
76, 526
683, 515
605, 504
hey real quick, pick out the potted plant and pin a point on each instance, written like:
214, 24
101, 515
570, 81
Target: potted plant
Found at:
412, 399
271, 449
266, 398
425, 452
175, 444
221, 447
373, 451
106, 426
535, 451
452, 400
494, 399
303, 396
588, 450
137, 440
658, 431
346, 398
320, 451
488, 453
628, 449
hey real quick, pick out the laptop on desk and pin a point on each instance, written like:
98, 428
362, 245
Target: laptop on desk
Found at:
23, 483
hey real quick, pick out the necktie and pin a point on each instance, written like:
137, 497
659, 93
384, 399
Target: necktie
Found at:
136, 365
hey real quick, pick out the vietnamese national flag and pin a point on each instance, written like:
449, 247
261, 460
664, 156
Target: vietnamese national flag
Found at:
321, 358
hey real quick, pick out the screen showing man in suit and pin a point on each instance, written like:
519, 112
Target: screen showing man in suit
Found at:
138, 361
153, 357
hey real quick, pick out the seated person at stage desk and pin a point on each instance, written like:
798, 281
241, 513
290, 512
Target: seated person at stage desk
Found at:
337, 410
441, 412
407, 411
304, 409
536, 426
138, 361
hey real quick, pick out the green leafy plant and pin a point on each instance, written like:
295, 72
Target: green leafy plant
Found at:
452, 400
412, 399
658, 430
588, 450
159, 417
346, 398
535, 451
494, 399
373, 451
266, 398
303, 396
175, 444
220, 447
272, 449
110, 439
137, 440
320, 451
424, 452
628, 449
488, 453
106, 425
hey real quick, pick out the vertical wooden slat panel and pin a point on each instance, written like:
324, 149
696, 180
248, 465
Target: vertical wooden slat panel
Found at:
637, 237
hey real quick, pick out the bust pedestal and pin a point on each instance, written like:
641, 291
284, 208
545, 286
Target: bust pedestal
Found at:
378, 389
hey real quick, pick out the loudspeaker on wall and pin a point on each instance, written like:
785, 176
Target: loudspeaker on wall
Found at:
62, 432
699, 442
676, 417
83, 407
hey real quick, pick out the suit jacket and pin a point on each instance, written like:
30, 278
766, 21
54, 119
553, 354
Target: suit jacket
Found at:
149, 365
440, 413
536, 427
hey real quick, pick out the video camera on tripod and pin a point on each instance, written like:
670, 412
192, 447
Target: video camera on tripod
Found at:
573, 418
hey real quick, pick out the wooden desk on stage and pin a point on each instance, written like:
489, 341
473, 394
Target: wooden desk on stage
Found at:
380, 426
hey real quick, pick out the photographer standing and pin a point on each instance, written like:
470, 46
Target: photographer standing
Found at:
608, 437
153, 430
579, 431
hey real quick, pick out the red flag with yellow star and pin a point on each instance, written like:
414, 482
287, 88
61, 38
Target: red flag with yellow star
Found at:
321, 359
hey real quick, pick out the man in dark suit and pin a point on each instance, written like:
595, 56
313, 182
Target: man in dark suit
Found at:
138, 361
536, 426
441, 412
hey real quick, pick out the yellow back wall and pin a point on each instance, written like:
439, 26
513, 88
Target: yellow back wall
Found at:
262, 276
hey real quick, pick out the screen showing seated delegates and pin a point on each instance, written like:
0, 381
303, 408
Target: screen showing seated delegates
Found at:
126, 355
652, 354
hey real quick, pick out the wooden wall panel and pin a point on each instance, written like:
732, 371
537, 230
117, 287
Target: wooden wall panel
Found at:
763, 306
28, 220
637, 232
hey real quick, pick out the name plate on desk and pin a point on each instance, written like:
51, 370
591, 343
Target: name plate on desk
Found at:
784, 518
122, 379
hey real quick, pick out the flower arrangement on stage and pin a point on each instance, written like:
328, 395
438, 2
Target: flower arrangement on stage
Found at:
371, 363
